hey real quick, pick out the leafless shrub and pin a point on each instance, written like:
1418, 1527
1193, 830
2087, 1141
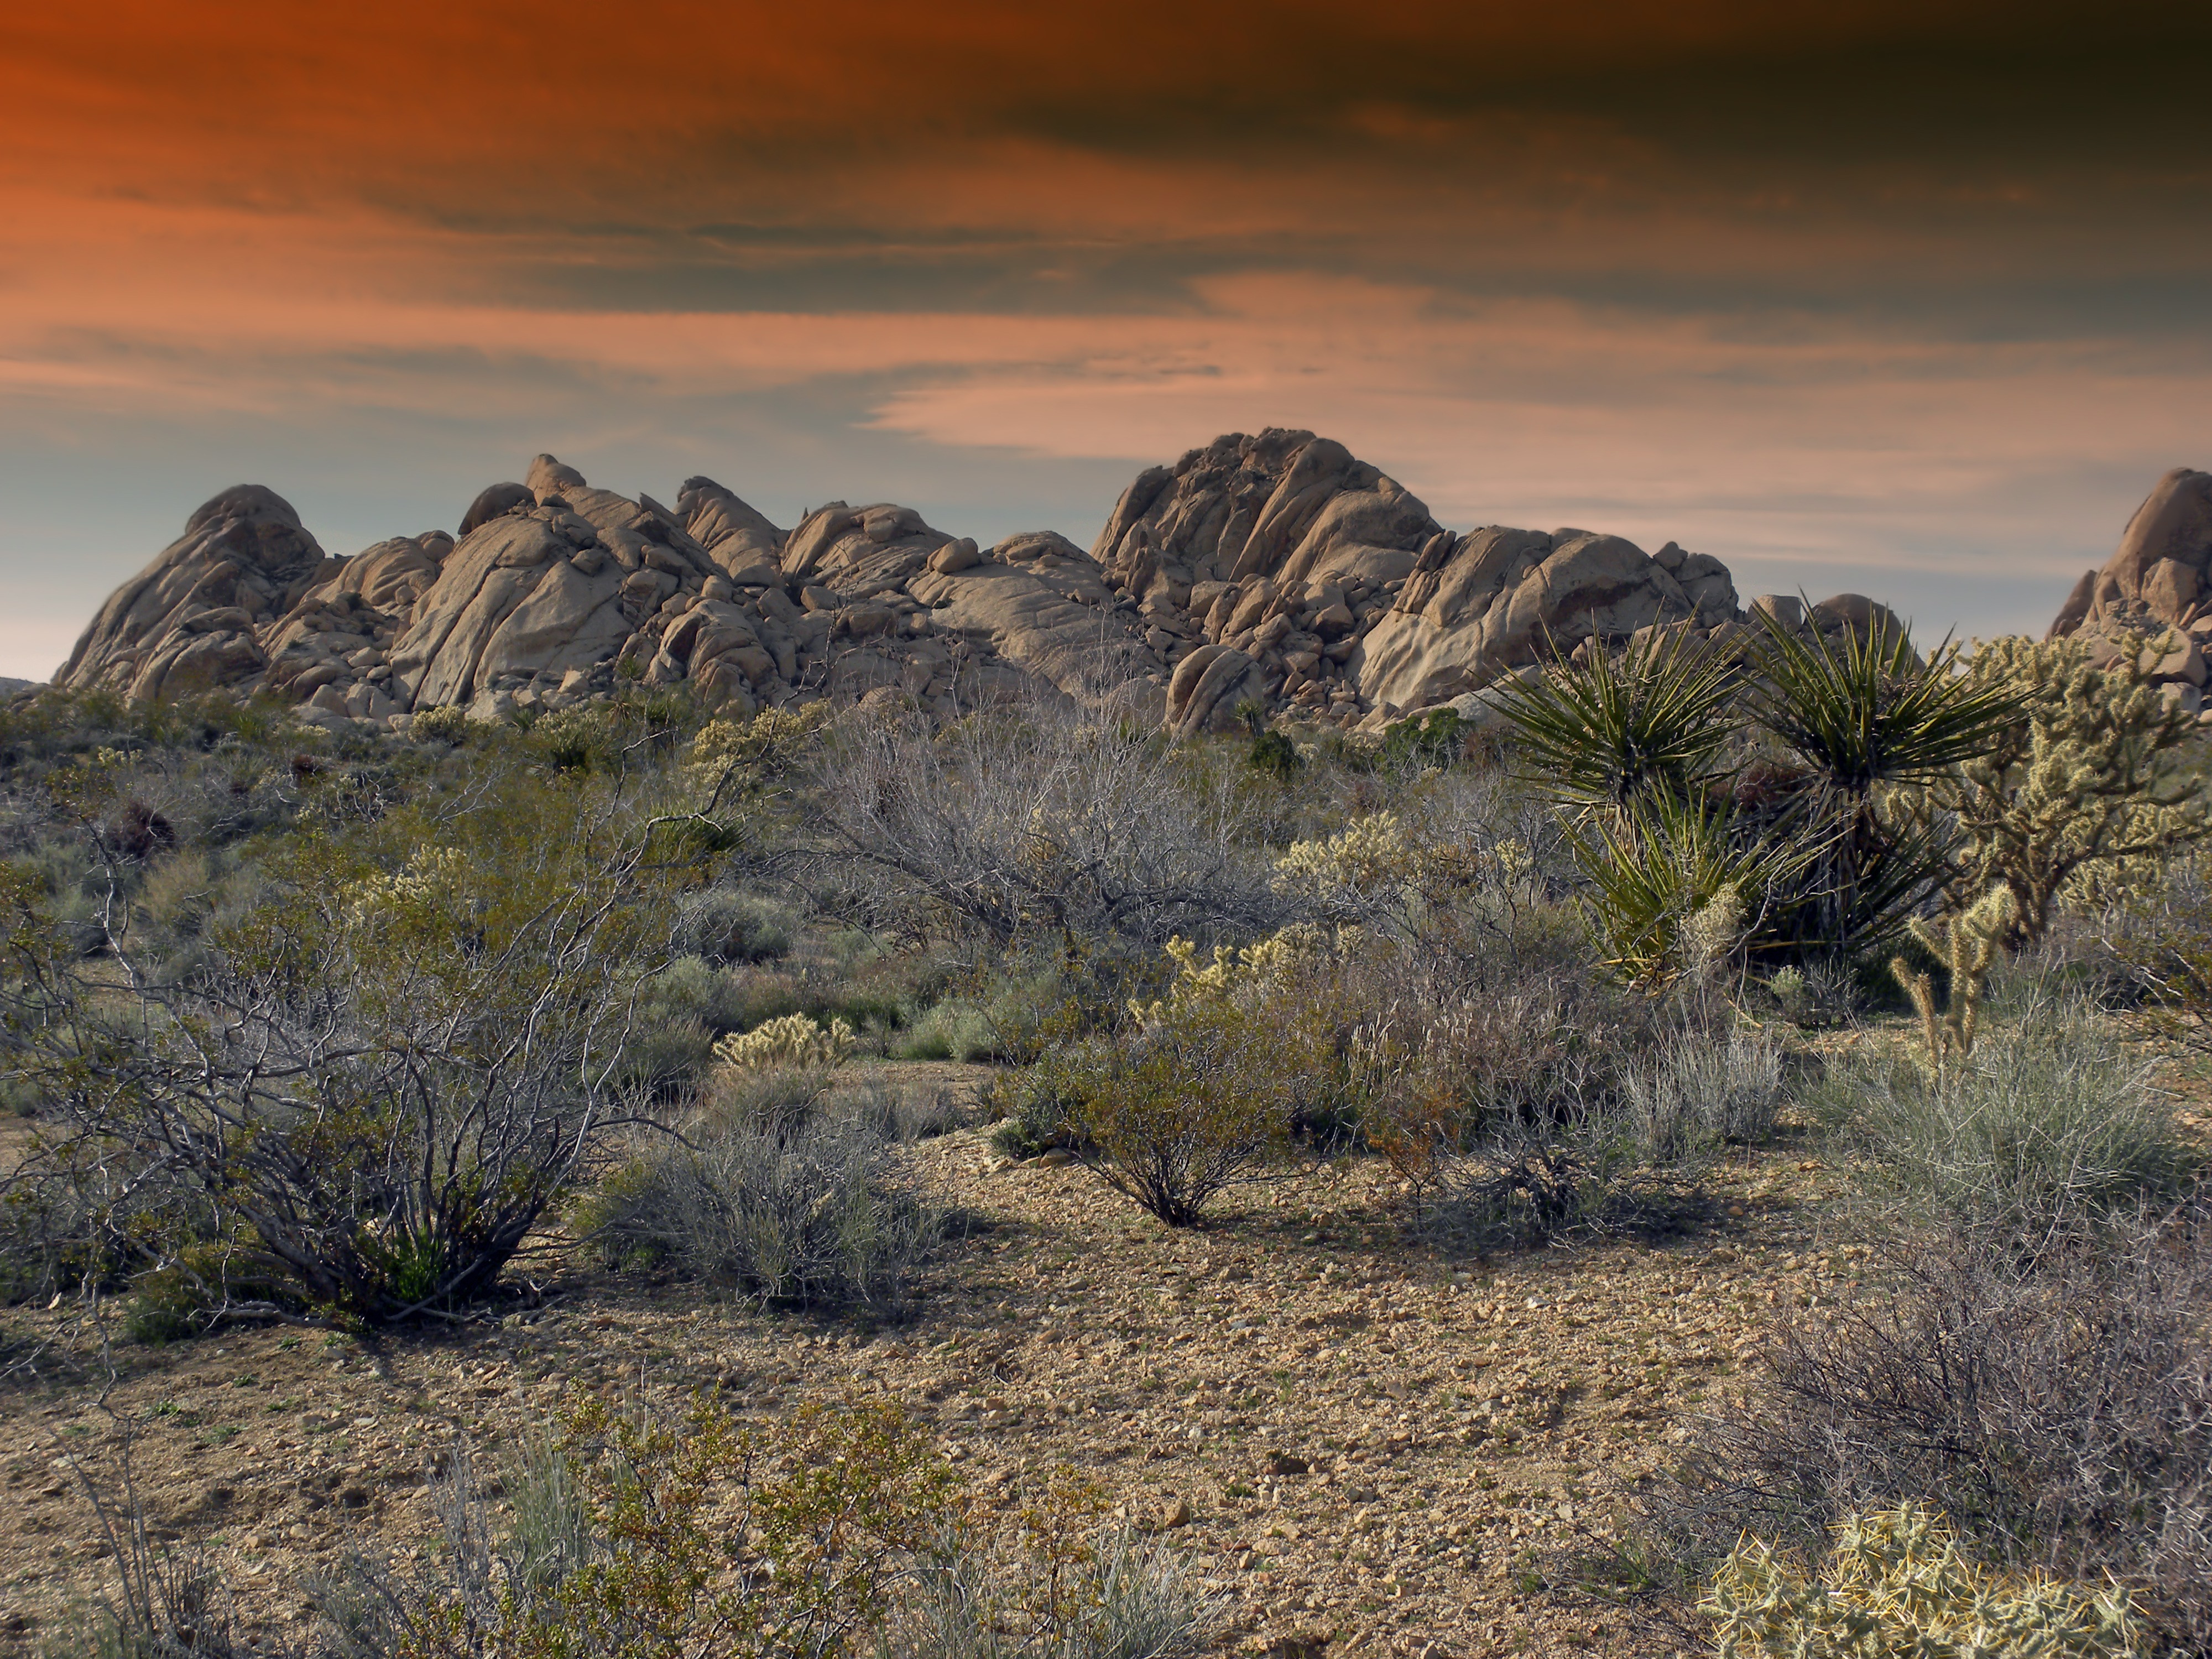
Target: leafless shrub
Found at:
790, 1200
1043, 817
2057, 1405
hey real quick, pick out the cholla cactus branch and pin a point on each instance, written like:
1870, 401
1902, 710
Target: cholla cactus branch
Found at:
1897, 1583
1968, 946
2080, 791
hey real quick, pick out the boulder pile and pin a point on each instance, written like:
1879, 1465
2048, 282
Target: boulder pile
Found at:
1275, 572
2153, 598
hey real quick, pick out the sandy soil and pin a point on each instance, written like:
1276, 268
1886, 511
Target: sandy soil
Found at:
1361, 1444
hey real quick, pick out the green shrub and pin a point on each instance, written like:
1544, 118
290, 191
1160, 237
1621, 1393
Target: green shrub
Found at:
727, 927
2053, 1125
1897, 1582
383, 1070
1274, 753
1437, 738
954, 1029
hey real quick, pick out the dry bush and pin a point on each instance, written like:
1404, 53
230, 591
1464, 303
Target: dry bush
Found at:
2057, 1408
784, 1192
1046, 819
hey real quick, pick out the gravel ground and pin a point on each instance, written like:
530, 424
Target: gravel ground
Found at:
1363, 1444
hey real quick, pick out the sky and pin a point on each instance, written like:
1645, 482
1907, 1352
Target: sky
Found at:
1909, 299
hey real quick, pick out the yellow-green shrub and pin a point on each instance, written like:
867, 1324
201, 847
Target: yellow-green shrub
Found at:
792, 1041
1896, 1583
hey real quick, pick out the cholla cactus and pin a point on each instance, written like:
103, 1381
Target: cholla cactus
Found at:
2079, 792
1253, 967
432, 876
794, 1039
1968, 947
1897, 1583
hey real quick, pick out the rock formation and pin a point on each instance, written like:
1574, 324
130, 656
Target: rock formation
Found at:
1276, 570
2152, 599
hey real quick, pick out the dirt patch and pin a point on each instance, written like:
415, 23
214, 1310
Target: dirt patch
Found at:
1362, 1444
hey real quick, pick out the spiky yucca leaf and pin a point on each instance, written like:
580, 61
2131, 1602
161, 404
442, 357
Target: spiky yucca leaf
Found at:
1608, 735
1867, 711
1662, 872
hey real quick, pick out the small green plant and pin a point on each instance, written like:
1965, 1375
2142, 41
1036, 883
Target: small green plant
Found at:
1898, 1582
1274, 753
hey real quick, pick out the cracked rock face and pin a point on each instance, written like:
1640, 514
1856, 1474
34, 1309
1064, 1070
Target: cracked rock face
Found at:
2161, 573
1276, 570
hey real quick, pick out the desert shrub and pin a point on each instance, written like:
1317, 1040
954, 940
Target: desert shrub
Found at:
1275, 755
2080, 791
727, 927
1437, 738
790, 1202
1112, 1594
1896, 1582
2057, 1407
1045, 820
2048, 1127
1695, 1088
2159, 939
1200, 1090
1508, 1112
164, 1604
826, 1533
387, 1068
691, 1536
793, 1040
955, 1029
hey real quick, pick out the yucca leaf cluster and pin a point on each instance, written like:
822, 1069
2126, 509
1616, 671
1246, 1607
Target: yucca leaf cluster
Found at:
1765, 791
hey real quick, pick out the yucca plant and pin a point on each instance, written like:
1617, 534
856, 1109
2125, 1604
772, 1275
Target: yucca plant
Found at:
1602, 734
1861, 718
1673, 888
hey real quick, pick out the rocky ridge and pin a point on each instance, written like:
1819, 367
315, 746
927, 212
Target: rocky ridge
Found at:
2153, 598
1276, 570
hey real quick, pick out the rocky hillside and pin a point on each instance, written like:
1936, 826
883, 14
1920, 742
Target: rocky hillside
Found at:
2153, 598
1277, 567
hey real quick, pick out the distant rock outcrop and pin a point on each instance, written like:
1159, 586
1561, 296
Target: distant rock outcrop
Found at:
1276, 571
193, 619
2153, 598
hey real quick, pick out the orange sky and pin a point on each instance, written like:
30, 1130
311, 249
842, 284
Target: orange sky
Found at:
1904, 297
